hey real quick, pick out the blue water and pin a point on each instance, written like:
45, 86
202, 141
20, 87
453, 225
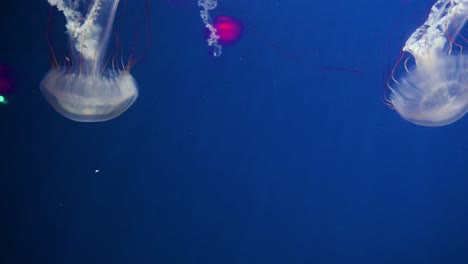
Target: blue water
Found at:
279, 151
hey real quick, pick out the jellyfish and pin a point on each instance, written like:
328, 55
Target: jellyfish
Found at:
432, 89
213, 37
85, 89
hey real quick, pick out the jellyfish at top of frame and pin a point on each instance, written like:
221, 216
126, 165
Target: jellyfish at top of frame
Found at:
86, 90
433, 87
213, 38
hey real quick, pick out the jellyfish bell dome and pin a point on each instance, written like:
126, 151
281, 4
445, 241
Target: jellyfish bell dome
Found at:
87, 90
433, 94
90, 97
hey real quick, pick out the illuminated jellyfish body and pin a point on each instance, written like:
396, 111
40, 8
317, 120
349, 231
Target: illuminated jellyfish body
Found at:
434, 91
85, 90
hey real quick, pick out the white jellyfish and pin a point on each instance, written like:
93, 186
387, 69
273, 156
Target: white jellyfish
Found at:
205, 15
86, 90
433, 87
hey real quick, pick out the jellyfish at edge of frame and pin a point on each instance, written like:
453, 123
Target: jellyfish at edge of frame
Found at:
86, 90
213, 37
432, 89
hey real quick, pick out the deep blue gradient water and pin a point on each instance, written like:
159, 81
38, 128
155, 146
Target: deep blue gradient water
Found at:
279, 151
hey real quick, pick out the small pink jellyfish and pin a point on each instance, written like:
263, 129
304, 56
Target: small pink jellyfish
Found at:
228, 28
223, 31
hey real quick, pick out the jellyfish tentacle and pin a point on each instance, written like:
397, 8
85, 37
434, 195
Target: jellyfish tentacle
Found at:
212, 40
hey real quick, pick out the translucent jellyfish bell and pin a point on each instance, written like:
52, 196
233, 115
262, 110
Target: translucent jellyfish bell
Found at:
85, 90
434, 91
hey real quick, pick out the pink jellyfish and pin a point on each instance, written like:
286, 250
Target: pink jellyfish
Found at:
228, 29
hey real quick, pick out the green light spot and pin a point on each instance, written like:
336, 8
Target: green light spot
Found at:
3, 100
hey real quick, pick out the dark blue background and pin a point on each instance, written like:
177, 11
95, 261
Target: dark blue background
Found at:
268, 154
